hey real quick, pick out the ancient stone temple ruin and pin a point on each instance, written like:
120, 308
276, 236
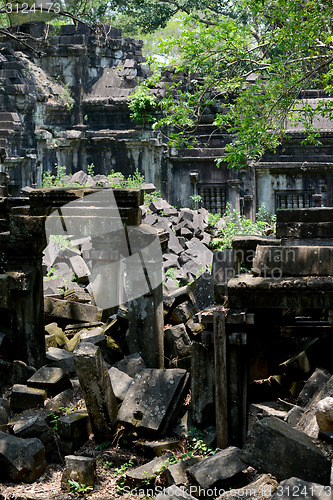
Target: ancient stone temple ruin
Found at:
67, 106
211, 383
255, 352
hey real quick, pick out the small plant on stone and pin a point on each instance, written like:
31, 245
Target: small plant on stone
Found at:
196, 445
51, 274
142, 104
115, 179
237, 224
62, 241
150, 197
120, 471
170, 273
136, 180
155, 478
197, 200
67, 410
104, 465
65, 96
213, 219
204, 269
53, 422
80, 489
103, 445
91, 170
58, 180
48, 180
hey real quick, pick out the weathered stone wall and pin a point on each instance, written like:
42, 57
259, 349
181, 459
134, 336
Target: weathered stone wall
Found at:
68, 106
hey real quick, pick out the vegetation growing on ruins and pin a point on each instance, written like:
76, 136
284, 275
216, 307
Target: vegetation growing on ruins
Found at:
236, 224
116, 180
247, 62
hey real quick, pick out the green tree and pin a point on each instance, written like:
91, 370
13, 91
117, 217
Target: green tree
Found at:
248, 63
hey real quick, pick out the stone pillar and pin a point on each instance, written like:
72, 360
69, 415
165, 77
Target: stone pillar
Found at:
144, 281
97, 390
234, 194
248, 207
26, 303
221, 382
4, 180
202, 384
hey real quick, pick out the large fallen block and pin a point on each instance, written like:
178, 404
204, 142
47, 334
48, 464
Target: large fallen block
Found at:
293, 261
152, 401
276, 447
76, 311
201, 291
97, 390
221, 469
21, 459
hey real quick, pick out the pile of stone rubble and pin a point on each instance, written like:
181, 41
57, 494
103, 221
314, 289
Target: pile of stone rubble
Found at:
109, 390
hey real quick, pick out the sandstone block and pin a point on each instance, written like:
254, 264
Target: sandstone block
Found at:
97, 390
79, 469
61, 358
276, 447
24, 397
263, 410
308, 421
220, 469
21, 459
177, 341
50, 378
76, 311
131, 364
61, 400
4, 413
152, 401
